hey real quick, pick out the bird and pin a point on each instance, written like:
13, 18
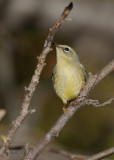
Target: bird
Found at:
69, 75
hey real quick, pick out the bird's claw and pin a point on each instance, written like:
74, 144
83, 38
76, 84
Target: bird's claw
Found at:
66, 111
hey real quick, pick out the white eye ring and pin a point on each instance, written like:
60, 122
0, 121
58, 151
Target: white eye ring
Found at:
66, 49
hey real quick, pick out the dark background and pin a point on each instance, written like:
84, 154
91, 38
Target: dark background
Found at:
24, 25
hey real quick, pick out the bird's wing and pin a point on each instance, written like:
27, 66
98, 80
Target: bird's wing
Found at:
84, 71
53, 73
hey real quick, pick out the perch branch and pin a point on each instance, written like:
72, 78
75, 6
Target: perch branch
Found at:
102, 154
79, 102
35, 79
96, 103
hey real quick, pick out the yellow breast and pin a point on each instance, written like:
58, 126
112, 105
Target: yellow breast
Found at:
68, 81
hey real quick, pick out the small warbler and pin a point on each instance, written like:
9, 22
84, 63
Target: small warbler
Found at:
69, 75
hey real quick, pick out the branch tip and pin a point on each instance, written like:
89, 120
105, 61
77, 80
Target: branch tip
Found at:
70, 6
67, 10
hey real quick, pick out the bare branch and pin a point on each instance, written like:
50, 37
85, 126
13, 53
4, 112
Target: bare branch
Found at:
102, 154
96, 103
79, 102
71, 156
105, 71
35, 79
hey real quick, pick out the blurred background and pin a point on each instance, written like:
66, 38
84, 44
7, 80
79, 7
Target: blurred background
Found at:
24, 26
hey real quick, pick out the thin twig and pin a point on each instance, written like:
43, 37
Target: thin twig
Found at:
79, 102
96, 103
106, 70
102, 154
35, 79
71, 156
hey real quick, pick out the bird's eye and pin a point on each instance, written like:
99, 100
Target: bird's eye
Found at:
66, 49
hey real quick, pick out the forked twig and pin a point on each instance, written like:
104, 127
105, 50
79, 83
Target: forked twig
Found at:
95, 103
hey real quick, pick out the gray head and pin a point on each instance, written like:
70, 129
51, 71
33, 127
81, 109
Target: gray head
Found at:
66, 52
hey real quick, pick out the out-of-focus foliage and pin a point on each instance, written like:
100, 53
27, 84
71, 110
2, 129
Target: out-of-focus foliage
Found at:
24, 25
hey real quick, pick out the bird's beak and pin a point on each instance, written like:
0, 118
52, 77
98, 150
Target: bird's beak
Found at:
56, 45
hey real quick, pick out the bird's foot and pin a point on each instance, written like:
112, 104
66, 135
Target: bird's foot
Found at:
78, 100
73, 103
66, 111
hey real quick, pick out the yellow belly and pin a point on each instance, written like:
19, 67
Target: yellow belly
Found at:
68, 82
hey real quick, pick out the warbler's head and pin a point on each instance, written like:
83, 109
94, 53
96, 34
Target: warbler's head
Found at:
66, 52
